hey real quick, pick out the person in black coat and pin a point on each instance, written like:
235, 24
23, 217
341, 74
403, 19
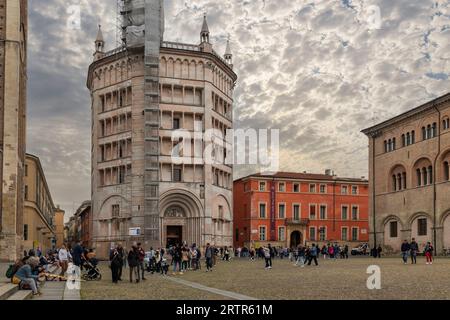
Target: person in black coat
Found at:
133, 263
116, 263
122, 256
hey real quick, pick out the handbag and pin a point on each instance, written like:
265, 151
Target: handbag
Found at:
16, 280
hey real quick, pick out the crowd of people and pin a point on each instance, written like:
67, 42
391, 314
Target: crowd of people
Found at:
411, 249
178, 258
35, 265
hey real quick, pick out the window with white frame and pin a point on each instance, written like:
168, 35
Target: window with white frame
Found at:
323, 212
262, 210
354, 189
296, 187
344, 234
344, 213
323, 188
296, 212
355, 212
281, 211
281, 233
281, 187
262, 233
262, 186
322, 233
312, 211
312, 188
344, 189
312, 234
355, 234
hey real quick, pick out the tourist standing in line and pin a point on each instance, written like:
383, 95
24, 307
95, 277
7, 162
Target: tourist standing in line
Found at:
184, 259
324, 252
414, 248
331, 251
429, 253
337, 251
405, 251
313, 255
209, 253
133, 263
141, 255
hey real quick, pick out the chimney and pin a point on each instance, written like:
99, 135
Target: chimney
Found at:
329, 172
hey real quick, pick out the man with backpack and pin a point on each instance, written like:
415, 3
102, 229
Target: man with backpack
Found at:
133, 263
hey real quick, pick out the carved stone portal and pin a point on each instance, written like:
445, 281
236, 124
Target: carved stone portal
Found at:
175, 212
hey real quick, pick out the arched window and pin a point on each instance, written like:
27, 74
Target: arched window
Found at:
434, 130
418, 177
394, 183
446, 171
446, 123
413, 137
399, 182
385, 146
430, 174
404, 180
424, 133
404, 142
393, 144
424, 176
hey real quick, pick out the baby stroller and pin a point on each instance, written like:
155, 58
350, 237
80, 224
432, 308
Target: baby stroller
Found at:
92, 272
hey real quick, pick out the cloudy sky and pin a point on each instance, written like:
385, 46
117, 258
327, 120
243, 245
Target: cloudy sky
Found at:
320, 71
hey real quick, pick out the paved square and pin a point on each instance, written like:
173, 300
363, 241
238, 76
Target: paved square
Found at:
340, 279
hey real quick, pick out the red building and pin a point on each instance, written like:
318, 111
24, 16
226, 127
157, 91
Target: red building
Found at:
286, 209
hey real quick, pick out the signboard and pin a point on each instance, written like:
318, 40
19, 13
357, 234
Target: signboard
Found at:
272, 212
134, 232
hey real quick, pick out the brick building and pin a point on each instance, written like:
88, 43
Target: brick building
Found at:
286, 209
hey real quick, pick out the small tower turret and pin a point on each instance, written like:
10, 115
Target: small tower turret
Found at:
205, 45
99, 45
228, 55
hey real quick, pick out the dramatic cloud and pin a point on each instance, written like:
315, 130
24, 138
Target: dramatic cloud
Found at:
320, 71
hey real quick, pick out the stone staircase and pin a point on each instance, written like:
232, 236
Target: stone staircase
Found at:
9, 291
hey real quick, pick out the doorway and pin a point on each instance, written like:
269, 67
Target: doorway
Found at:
174, 235
296, 239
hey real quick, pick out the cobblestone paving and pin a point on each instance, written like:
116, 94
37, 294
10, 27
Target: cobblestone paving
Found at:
341, 279
154, 288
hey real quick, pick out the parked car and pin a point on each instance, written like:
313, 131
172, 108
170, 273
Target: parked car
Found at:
362, 249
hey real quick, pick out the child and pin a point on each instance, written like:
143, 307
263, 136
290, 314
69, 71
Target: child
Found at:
164, 267
429, 253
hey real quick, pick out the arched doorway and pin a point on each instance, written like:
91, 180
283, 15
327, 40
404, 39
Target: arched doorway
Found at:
296, 239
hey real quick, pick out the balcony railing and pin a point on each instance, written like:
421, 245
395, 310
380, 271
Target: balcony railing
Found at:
301, 222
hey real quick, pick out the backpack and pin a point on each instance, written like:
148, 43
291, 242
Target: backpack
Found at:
10, 272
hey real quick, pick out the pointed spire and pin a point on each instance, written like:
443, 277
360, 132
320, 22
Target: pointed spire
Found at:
205, 28
99, 34
204, 34
228, 55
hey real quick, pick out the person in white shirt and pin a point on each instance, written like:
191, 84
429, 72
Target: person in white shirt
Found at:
63, 257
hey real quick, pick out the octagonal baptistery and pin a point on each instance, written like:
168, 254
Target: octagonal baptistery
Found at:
195, 198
